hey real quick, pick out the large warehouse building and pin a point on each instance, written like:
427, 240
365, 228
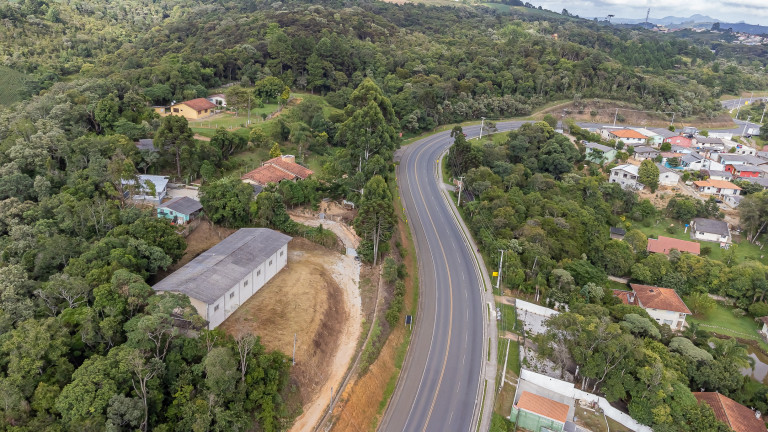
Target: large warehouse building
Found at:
221, 279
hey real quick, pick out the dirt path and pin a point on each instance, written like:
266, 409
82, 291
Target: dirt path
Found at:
201, 138
342, 230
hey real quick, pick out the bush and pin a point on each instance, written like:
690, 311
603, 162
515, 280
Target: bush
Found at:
390, 272
739, 312
706, 250
396, 305
671, 229
758, 309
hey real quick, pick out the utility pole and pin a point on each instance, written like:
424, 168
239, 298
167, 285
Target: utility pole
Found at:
744, 132
498, 280
293, 362
763, 116
673, 119
249, 108
738, 109
330, 405
615, 116
461, 183
482, 123
750, 97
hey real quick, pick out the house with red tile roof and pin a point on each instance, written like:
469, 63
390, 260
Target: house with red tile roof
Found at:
662, 304
716, 187
276, 170
735, 415
680, 140
666, 244
628, 136
193, 109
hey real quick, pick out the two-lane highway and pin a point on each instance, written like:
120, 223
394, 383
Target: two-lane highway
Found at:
440, 388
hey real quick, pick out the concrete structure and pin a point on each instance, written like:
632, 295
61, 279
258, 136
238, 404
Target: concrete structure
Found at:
180, 210
733, 201
710, 230
662, 304
764, 330
626, 175
144, 193
721, 135
735, 415
276, 170
667, 176
221, 279
666, 244
218, 99
534, 412
599, 153
193, 109
642, 153
628, 136
716, 187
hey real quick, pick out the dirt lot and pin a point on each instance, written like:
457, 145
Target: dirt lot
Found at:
606, 110
315, 297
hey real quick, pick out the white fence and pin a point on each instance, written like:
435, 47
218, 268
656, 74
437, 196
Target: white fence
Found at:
534, 308
569, 390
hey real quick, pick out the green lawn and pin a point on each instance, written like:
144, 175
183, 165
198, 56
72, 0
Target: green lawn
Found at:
744, 249
722, 321
508, 317
230, 120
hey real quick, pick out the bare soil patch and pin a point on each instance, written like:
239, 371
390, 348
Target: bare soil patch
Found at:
360, 408
315, 297
606, 110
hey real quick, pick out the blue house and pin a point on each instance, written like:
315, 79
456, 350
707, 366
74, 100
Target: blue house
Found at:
180, 210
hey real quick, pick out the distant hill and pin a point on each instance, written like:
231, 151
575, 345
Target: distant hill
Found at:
697, 20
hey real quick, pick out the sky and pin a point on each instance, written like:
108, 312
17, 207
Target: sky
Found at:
749, 11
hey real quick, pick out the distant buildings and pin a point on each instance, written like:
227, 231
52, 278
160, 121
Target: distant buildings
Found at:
192, 109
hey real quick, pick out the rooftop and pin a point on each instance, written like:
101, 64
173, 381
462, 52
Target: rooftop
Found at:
666, 244
735, 415
199, 104
645, 149
212, 273
711, 226
596, 146
719, 184
276, 170
628, 133
543, 406
659, 298
183, 205
146, 144
626, 167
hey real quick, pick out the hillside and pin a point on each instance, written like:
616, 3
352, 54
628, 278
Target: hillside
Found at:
11, 86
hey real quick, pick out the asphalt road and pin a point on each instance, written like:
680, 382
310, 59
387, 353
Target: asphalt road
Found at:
439, 387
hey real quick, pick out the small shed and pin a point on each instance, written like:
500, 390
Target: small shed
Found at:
180, 210
710, 230
764, 330
618, 233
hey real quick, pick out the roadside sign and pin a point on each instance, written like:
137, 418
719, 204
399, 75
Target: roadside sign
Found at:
495, 274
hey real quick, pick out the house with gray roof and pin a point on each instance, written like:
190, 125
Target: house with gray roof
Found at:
626, 175
598, 153
757, 180
667, 176
710, 230
222, 278
644, 152
180, 210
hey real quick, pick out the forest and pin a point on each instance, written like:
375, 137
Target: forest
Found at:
525, 197
84, 343
437, 64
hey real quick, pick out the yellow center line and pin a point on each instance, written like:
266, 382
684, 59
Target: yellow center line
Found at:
450, 295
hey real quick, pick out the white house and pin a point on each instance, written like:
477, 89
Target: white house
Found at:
697, 162
709, 143
626, 175
144, 193
653, 139
719, 175
218, 99
221, 279
667, 177
628, 136
662, 304
735, 159
710, 230
716, 187
733, 201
